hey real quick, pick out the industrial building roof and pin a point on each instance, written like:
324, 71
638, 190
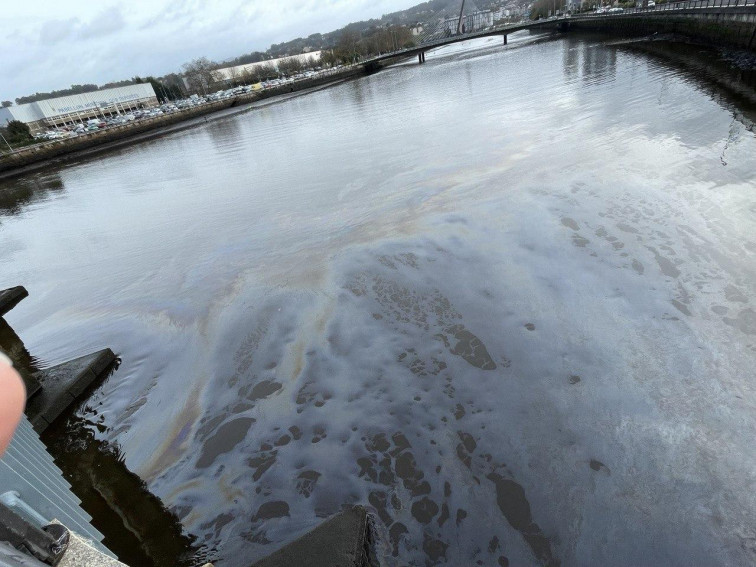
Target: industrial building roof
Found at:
50, 108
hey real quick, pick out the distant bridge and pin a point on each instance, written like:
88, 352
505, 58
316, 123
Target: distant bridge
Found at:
731, 22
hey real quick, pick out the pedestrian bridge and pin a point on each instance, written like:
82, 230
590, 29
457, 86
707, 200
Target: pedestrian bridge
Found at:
727, 22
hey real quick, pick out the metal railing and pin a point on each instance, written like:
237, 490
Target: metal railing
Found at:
437, 37
441, 34
31, 483
674, 6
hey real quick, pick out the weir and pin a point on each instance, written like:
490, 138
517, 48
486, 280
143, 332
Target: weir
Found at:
34, 493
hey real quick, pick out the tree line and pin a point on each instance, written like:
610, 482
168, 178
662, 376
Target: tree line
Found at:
15, 134
168, 87
346, 45
353, 46
545, 8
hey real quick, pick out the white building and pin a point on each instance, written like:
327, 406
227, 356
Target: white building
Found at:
470, 23
306, 59
68, 110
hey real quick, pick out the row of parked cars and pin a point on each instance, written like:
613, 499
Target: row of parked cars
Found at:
607, 10
224, 94
96, 124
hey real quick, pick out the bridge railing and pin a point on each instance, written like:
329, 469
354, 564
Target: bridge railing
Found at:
674, 6
442, 34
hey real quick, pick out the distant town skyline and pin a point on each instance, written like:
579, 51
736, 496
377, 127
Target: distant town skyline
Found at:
50, 45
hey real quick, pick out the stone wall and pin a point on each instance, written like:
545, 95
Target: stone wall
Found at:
731, 26
57, 148
133, 132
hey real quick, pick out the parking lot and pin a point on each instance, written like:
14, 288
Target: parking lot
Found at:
109, 119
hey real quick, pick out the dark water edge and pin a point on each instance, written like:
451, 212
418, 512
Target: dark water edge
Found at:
137, 527
728, 75
107, 141
143, 532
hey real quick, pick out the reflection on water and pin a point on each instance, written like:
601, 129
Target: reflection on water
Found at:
23, 192
137, 526
591, 63
503, 299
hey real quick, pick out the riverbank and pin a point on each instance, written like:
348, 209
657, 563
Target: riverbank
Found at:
729, 75
40, 156
434, 292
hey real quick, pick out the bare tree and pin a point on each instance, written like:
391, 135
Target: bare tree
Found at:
328, 59
266, 71
200, 75
233, 76
290, 66
347, 48
248, 77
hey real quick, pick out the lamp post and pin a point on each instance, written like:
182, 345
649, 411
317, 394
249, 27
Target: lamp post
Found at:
6, 143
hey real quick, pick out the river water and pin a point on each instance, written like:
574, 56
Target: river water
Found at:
505, 299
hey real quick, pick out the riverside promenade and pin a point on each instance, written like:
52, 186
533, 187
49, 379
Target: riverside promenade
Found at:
38, 156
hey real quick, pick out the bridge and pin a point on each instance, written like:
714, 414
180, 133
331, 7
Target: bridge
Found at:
730, 22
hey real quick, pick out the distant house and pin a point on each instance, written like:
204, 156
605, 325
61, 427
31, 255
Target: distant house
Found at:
470, 23
417, 29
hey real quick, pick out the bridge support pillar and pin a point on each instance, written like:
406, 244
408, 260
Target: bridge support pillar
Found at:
421, 57
505, 38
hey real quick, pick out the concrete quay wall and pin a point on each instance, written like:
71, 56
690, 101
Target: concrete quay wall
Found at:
40, 155
734, 27
57, 148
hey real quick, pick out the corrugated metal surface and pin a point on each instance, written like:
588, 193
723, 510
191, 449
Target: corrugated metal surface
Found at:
5, 117
66, 104
27, 468
50, 108
304, 58
23, 112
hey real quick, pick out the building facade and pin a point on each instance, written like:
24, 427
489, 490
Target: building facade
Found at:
75, 109
306, 59
470, 23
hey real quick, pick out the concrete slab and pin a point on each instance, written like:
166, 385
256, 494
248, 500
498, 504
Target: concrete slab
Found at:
81, 553
10, 297
63, 384
341, 541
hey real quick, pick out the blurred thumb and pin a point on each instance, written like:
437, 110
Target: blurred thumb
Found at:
12, 400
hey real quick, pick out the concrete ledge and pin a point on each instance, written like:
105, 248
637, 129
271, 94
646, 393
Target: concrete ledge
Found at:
11, 297
64, 384
81, 553
341, 541
732, 26
42, 155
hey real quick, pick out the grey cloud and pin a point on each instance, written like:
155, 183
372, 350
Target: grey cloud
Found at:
55, 31
175, 13
111, 44
105, 23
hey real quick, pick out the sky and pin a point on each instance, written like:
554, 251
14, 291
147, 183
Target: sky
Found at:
50, 44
